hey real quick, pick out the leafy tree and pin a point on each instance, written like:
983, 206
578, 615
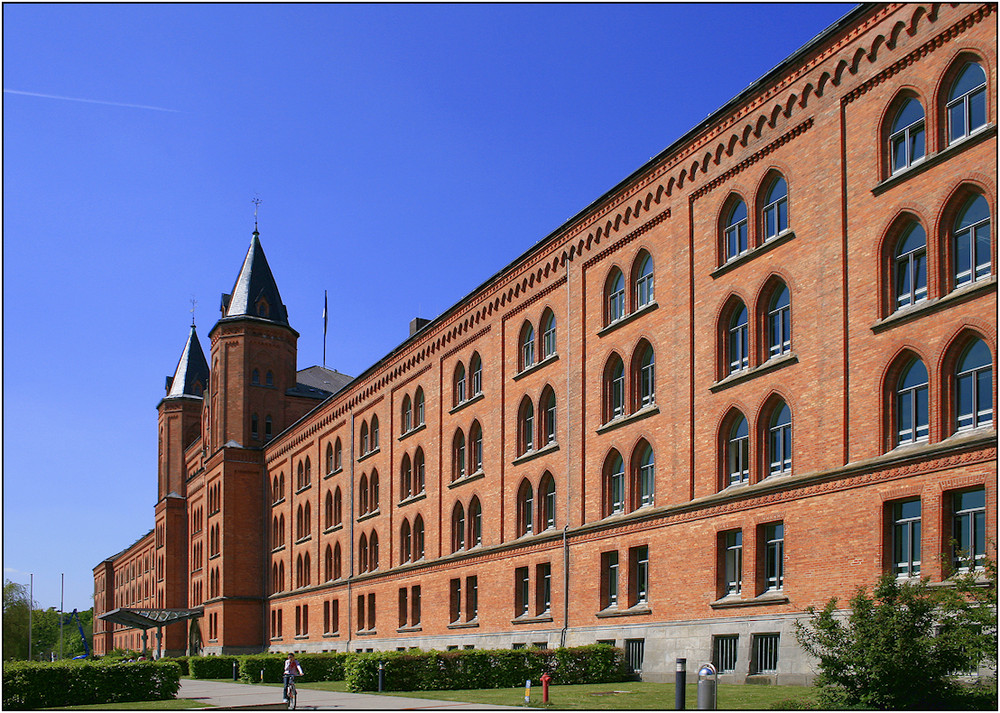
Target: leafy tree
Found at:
899, 646
15, 620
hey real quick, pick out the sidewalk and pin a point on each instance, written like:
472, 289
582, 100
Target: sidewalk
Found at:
249, 696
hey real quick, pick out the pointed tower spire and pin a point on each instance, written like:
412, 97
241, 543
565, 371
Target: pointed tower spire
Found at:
255, 293
191, 376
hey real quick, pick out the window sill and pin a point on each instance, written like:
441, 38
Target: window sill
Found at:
333, 472
304, 488
768, 366
303, 539
930, 306
334, 528
468, 402
648, 307
473, 624
644, 412
216, 556
613, 611
369, 454
301, 637
412, 499
369, 515
536, 366
934, 159
525, 619
276, 503
415, 429
409, 629
752, 253
331, 635
366, 632
279, 548
467, 479
732, 601
531, 455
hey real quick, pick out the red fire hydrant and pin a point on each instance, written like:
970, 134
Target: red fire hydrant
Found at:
545, 687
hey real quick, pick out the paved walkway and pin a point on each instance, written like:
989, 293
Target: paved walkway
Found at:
249, 696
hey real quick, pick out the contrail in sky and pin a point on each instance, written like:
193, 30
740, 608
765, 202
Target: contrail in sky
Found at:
89, 101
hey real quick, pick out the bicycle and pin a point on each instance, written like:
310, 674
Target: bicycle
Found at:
291, 695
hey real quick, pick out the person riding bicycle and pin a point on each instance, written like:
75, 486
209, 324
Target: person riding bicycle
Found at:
292, 669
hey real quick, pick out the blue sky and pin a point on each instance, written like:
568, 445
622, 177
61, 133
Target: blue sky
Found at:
403, 154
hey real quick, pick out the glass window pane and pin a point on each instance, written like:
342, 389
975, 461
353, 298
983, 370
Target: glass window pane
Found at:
956, 122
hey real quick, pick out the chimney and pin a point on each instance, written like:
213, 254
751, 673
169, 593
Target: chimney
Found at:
418, 323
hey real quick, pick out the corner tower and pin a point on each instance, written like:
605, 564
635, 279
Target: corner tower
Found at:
180, 416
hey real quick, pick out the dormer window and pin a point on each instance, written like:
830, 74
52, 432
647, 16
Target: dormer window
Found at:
263, 309
197, 389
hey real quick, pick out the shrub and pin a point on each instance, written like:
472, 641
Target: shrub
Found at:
212, 666
323, 667
29, 685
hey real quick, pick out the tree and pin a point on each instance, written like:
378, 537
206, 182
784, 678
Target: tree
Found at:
900, 646
15, 620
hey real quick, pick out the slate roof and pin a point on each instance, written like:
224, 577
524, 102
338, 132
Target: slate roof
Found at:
192, 368
254, 283
319, 382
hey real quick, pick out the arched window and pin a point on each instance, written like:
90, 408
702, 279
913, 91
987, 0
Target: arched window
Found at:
644, 476
255, 377
614, 484
775, 214
268, 427
779, 444
337, 562
364, 437
300, 476
614, 388
526, 426
407, 412
338, 453
275, 493
281, 530
418, 407
967, 102
418, 538
972, 242
405, 478
526, 346
299, 572
300, 523
269, 379
281, 576
254, 422
373, 487
643, 376
547, 412
363, 494
974, 387
274, 534
643, 280
373, 550
738, 340
418, 471
328, 511
907, 143
735, 232
459, 384
738, 452
374, 433
475, 523
308, 520
338, 512
405, 542
281, 485
548, 327
363, 553
525, 508
475, 447
547, 501
308, 471
458, 528
614, 296
779, 323
475, 375
329, 458
328, 564
912, 404
458, 455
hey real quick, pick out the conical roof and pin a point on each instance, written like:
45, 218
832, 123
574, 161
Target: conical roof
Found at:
191, 376
255, 293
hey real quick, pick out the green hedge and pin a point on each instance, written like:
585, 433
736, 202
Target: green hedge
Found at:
32, 685
501, 668
315, 667
212, 666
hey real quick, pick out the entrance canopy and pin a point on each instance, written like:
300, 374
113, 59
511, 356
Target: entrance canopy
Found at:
149, 618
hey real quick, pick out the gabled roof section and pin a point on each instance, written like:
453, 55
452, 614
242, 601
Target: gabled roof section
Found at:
191, 376
255, 293
328, 381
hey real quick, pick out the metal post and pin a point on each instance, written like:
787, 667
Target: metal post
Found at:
62, 591
680, 680
31, 597
708, 688
381, 675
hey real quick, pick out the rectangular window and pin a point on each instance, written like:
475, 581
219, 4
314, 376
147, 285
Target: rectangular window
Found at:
471, 598
361, 612
455, 600
774, 556
404, 606
906, 538
764, 653
415, 605
733, 543
334, 616
371, 611
638, 565
326, 617
969, 529
543, 588
609, 579
521, 591
634, 650
724, 650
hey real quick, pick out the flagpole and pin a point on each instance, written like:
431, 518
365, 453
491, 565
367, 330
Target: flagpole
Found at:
62, 592
31, 596
324, 329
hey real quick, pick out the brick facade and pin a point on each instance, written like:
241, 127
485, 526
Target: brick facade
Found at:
599, 482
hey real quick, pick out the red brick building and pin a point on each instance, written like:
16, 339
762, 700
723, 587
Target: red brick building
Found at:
755, 374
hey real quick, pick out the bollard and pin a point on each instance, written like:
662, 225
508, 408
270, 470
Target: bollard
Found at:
262, 675
527, 692
235, 677
545, 687
708, 688
381, 675
680, 681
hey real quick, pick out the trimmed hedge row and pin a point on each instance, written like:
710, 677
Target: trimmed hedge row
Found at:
212, 666
33, 685
501, 668
315, 667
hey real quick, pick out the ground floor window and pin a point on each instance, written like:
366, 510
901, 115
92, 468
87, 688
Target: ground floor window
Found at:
634, 649
764, 653
724, 651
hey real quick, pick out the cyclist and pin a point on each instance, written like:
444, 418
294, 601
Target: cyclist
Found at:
292, 669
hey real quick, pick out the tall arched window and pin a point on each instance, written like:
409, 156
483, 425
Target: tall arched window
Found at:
526, 345
308, 519
418, 538
475, 375
363, 553
418, 407
547, 411
912, 404
614, 296
418, 471
907, 143
779, 323
281, 530
614, 388
644, 478
735, 233
643, 376
274, 534
337, 507
967, 102
337, 455
643, 280
475, 523
775, 214
526, 426
373, 487
458, 455
372, 550
328, 564
974, 387
363, 494
458, 528
328, 511
337, 562
405, 478
779, 442
972, 242
405, 542
300, 476
738, 452
255, 377
300, 523
407, 414
738, 340
547, 501
614, 484
458, 384
525, 508
364, 438
329, 458
548, 328
254, 425
374, 433
475, 447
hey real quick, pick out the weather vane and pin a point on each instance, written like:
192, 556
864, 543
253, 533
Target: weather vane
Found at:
256, 204
194, 303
